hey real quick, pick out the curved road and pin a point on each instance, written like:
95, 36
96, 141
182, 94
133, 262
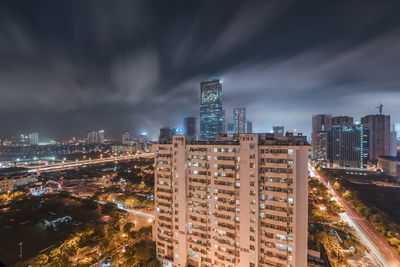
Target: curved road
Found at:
386, 253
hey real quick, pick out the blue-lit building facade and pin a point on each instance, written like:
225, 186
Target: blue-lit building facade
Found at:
211, 112
348, 147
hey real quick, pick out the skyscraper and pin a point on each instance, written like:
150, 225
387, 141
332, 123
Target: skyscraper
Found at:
211, 111
190, 128
379, 135
34, 138
320, 125
249, 127
239, 120
236, 202
348, 147
278, 130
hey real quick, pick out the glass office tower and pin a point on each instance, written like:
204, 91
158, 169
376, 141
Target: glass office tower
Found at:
211, 112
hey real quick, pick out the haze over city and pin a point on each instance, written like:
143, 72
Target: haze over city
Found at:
68, 68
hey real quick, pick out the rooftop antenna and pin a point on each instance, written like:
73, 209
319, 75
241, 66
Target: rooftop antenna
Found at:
380, 107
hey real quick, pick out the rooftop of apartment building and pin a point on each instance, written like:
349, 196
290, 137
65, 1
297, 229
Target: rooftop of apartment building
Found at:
264, 139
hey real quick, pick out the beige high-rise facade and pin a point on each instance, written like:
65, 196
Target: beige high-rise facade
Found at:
238, 201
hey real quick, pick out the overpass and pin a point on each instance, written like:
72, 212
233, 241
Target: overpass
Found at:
82, 163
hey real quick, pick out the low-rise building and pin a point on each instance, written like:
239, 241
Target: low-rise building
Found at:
390, 165
6, 185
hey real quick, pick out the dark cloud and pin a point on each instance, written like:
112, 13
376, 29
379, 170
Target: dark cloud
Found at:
68, 67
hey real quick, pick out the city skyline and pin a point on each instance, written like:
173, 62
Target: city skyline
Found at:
200, 133
109, 72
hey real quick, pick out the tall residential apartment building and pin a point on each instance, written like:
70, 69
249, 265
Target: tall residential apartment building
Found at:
379, 135
239, 201
239, 120
190, 128
320, 126
348, 147
212, 115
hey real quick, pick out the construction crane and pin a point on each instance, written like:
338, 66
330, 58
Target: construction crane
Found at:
380, 107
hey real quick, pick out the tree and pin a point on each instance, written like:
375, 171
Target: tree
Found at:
41, 260
132, 202
128, 226
109, 208
142, 252
17, 194
148, 203
4, 198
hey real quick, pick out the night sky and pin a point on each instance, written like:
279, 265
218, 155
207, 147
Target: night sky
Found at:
67, 67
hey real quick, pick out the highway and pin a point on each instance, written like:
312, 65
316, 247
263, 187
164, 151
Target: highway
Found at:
81, 163
382, 251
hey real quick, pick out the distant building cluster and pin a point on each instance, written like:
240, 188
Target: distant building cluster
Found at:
339, 142
95, 137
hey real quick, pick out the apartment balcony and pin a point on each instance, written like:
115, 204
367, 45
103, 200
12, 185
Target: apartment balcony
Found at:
275, 222
225, 154
274, 165
197, 168
226, 179
201, 161
276, 184
224, 240
219, 217
163, 158
277, 174
274, 203
225, 162
166, 164
164, 186
276, 194
225, 185
198, 182
274, 155
165, 172
162, 193
198, 176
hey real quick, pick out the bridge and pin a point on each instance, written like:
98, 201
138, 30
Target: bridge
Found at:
64, 165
